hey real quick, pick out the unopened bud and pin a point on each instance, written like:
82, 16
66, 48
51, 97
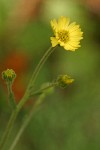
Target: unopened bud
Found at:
64, 80
9, 75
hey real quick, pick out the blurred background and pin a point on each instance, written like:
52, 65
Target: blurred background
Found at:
69, 119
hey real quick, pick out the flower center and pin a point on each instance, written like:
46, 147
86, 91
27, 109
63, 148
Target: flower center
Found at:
63, 36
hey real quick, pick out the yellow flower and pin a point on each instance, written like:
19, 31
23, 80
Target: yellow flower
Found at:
65, 34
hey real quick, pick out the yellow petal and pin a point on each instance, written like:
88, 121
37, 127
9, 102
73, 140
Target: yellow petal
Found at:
71, 25
63, 22
54, 24
70, 47
54, 41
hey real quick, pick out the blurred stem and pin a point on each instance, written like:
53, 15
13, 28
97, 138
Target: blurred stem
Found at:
27, 119
11, 96
34, 76
25, 98
42, 92
39, 66
8, 129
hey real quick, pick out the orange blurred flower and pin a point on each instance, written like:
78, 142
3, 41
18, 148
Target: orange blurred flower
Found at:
19, 62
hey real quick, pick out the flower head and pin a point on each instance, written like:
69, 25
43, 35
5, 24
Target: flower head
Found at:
8, 75
64, 80
65, 34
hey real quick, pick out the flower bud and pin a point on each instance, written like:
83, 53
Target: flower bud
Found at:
9, 75
64, 80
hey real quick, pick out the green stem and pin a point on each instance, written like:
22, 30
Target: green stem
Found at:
42, 90
27, 120
8, 130
39, 66
25, 98
32, 112
34, 76
12, 102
